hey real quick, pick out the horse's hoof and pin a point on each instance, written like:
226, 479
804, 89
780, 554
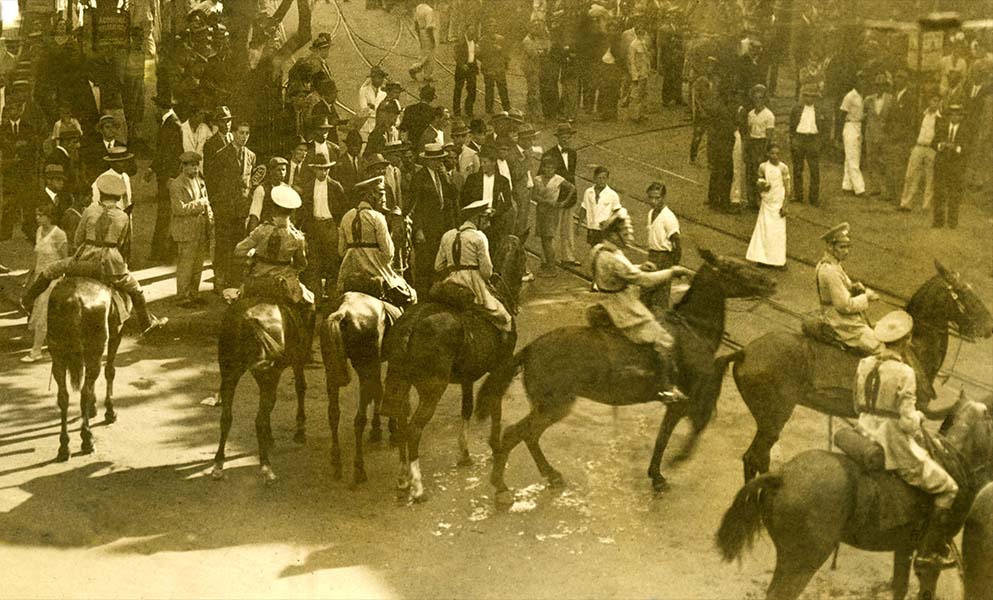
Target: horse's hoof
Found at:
556, 481
217, 473
109, 417
300, 437
504, 499
268, 477
465, 460
63, 454
375, 436
421, 499
660, 485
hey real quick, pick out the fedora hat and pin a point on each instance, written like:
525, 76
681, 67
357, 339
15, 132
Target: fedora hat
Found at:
55, 171
368, 185
565, 128
104, 120
285, 197
223, 113
479, 205
118, 153
433, 151
374, 160
321, 161
894, 326
70, 133
459, 128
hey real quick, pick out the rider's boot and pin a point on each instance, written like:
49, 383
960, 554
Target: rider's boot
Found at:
146, 321
668, 375
34, 290
933, 551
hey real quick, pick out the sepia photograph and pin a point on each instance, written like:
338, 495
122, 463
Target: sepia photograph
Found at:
496, 299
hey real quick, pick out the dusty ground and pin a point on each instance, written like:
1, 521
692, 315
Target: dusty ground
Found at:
139, 517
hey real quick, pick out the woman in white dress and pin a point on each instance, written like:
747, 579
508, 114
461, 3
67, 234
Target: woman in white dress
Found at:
738, 194
768, 244
50, 245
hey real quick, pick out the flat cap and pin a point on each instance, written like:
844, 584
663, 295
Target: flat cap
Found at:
838, 233
286, 197
111, 185
190, 157
894, 326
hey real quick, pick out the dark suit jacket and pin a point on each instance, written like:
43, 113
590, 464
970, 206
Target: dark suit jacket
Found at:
431, 214
91, 156
904, 121
472, 190
211, 147
168, 147
231, 202
820, 117
461, 51
74, 183
569, 174
951, 157
337, 203
416, 118
345, 173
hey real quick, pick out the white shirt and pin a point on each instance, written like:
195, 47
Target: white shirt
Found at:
953, 129
926, 134
424, 16
808, 121
488, 182
168, 113
108, 144
599, 208
760, 122
504, 169
95, 89
50, 193
193, 140
468, 160
471, 46
258, 197
852, 105
321, 208
123, 202
369, 99
291, 169
565, 157
322, 148
661, 230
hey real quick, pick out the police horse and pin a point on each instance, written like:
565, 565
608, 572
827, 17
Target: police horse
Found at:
600, 364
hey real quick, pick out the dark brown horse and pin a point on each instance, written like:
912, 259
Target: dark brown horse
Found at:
83, 321
354, 333
775, 372
433, 345
814, 504
600, 364
977, 547
264, 337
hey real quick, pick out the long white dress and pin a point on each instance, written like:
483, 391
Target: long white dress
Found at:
768, 243
49, 248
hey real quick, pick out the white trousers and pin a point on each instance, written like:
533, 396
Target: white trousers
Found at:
852, 180
920, 165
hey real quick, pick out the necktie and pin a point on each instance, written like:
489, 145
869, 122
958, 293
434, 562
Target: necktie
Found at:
951, 134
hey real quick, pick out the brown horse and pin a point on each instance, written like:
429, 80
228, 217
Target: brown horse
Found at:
433, 345
262, 336
600, 364
354, 333
775, 372
815, 503
83, 321
977, 547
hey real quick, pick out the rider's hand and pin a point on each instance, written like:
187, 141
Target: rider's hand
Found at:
871, 295
680, 271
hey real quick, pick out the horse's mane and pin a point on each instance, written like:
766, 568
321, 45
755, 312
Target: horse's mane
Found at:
925, 295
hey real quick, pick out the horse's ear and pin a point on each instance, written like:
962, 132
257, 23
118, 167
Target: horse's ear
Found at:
707, 256
947, 275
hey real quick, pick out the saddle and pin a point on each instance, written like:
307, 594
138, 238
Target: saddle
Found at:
376, 287
818, 330
122, 302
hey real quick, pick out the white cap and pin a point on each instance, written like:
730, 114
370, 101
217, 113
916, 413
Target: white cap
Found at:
285, 197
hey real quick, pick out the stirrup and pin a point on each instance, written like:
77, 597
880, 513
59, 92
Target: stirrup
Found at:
155, 323
673, 396
940, 561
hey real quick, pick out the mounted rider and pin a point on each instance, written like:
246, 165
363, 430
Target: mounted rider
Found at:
619, 284
843, 302
366, 248
464, 257
103, 230
279, 253
885, 398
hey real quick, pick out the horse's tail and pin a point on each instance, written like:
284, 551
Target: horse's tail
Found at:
69, 347
333, 350
743, 520
495, 386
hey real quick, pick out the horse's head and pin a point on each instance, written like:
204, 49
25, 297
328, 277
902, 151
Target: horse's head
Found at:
969, 428
510, 262
962, 307
737, 278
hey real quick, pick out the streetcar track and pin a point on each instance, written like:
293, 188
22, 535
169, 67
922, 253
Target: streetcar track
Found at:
576, 272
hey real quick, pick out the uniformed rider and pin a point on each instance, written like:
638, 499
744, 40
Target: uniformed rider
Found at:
464, 258
619, 283
278, 252
843, 302
103, 230
885, 397
366, 248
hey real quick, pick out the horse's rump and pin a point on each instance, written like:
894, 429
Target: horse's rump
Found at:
452, 295
277, 329
483, 345
883, 501
81, 314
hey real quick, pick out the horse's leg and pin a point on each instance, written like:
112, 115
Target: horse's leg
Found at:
771, 408
512, 436
334, 416
59, 373
542, 421
229, 382
370, 393
673, 414
88, 399
464, 458
109, 372
300, 381
268, 381
927, 580
428, 395
376, 433
804, 540
402, 390
901, 573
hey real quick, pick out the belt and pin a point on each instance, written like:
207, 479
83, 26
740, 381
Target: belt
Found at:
464, 268
100, 244
363, 245
269, 261
603, 291
923, 145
